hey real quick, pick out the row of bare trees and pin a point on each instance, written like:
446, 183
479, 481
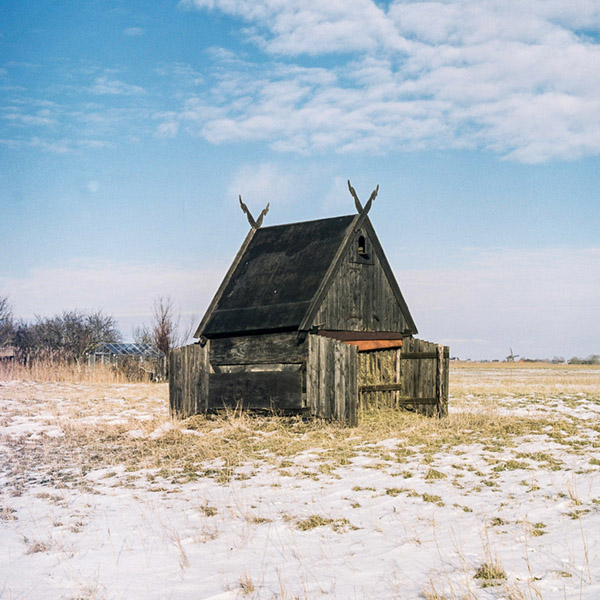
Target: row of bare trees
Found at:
73, 334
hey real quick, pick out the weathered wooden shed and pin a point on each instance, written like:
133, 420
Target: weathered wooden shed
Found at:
309, 318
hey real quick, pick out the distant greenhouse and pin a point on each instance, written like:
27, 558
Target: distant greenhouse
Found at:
143, 358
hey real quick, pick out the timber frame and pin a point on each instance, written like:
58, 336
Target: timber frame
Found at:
323, 377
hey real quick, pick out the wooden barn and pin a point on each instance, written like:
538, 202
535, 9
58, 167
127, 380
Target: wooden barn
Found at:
309, 318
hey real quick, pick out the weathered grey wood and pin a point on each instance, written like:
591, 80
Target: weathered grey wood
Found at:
277, 391
422, 355
332, 385
260, 367
414, 376
352, 390
174, 374
380, 387
262, 348
309, 318
188, 380
441, 382
424, 366
361, 297
361, 335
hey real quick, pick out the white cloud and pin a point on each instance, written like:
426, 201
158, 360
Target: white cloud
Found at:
134, 31
40, 118
104, 85
168, 129
182, 73
514, 77
265, 182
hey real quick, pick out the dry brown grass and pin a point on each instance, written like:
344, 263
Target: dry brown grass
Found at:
67, 372
522, 379
128, 425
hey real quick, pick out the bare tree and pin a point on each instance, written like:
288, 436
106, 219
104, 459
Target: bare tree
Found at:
142, 335
68, 336
163, 329
6, 322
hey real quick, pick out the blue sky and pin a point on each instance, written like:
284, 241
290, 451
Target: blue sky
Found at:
127, 130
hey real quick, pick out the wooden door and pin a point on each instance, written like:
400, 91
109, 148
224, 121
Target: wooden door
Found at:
332, 379
414, 377
188, 380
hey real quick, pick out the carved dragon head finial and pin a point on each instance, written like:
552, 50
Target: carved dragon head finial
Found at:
254, 224
357, 202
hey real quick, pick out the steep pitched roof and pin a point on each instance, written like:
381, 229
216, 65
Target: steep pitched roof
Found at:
279, 277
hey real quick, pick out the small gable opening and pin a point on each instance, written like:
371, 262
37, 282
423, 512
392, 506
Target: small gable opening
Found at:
363, 252
362, 246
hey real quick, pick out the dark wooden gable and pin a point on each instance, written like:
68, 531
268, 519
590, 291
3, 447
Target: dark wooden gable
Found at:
305, 275
362, 293
275, 276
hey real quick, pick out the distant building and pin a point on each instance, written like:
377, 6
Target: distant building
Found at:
131, 357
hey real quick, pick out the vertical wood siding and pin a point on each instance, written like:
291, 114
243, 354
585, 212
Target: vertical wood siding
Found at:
188, 380
360, 297
332, 380
413, 377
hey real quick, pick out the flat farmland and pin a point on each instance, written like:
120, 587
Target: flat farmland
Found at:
104, 496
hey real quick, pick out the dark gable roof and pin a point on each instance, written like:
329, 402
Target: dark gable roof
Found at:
276, 278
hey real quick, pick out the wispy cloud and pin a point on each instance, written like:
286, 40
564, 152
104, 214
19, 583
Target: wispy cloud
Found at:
265, 180
105, 85
134, 31
516, 78
519, 79
182, 73
19, 118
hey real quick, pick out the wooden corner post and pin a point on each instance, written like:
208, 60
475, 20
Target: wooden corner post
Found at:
441, 381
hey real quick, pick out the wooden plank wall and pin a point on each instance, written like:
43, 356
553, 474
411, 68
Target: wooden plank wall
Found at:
253, 349
419, 368
414, 377
259, 372
360, 297
424, 368
332, 380
275, 391
188, 380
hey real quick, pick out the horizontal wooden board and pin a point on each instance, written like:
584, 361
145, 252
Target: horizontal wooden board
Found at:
261, 348
265, 390
258, 367
407, 400
420, 355
381, 387
345, 336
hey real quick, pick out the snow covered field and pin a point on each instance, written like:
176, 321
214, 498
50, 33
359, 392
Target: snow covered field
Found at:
103, 496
